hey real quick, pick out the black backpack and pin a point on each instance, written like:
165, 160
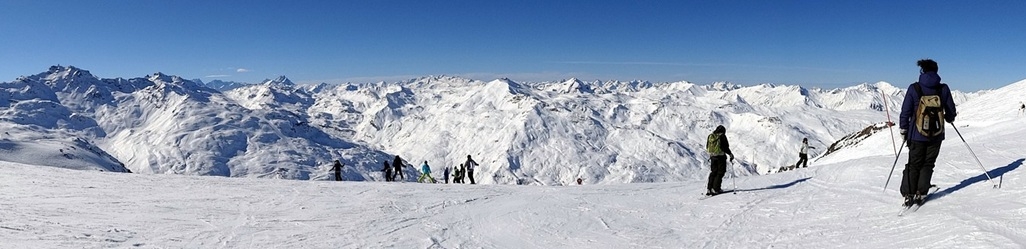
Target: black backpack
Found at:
929, 119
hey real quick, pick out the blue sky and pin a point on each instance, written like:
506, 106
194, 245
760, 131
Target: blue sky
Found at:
830, 44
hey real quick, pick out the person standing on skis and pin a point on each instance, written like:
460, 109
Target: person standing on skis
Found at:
387, 170
397, 164
446, 175
425, 172
470, 164
718, 149
803, 154
338, 170
922, 128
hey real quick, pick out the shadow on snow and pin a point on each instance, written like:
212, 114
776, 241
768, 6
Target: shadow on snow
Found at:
778, 186
995, 173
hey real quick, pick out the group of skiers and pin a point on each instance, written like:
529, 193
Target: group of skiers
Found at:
459, 174
927, 105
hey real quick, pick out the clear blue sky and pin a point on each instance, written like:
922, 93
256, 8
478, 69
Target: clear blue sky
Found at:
978, 44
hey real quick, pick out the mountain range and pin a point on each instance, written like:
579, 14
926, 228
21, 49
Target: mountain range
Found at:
546, 133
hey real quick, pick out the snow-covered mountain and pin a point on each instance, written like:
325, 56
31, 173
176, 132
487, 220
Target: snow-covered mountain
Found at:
220, 85
545, 133
164, 124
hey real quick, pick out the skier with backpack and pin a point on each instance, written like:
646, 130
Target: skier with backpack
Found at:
457, 174
803, 154
927, 105
718, 148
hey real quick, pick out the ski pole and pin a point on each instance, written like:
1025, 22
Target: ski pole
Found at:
890, 125
973, 153
732, 178
896, 157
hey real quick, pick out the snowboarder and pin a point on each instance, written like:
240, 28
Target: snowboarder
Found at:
718, 149
803, 154
446, 175
924, 102
425, 171
470, 164
338, 170
397, 165
387, 170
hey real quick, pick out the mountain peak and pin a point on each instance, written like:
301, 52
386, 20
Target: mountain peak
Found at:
161, 77
67, 72
280, 81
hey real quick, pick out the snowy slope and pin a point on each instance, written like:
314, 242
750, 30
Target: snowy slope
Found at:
839, 202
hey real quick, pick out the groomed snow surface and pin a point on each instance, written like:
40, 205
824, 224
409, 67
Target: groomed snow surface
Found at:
836, 202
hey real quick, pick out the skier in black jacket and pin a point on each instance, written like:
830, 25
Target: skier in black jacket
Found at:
338, 170
718, 149
397, 164
387, 171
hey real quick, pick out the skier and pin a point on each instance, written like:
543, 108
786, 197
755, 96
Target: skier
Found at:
1022, 109
397, 164
470, 164
425, 171
446, 175
457, 174
387, 170
924, 140
463, 173
338, 170
718, 149
803, 154
579, 180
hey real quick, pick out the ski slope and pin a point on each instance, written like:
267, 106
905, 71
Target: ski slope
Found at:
837, 202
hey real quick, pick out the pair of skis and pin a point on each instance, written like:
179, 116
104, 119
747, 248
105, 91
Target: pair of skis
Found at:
707, 196
915, 207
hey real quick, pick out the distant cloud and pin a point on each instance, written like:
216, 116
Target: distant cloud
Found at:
242, 70
217, 76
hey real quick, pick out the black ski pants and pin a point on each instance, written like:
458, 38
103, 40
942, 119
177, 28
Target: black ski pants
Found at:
803, 160
470, 173
397, 174
922, 156
719, 168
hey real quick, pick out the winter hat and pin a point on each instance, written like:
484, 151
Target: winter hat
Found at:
720, 129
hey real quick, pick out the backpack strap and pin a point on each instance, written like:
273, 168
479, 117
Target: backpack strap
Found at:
918, 88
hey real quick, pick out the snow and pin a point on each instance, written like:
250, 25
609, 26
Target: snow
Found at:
828, 205
839, 201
